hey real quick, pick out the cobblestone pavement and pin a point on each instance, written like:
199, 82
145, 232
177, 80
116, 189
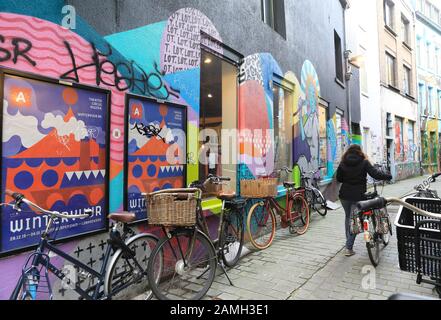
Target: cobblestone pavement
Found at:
313, 266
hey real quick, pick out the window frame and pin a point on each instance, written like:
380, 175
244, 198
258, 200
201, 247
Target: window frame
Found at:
387, 4
276, 16
407, 84
338, 54
390, 58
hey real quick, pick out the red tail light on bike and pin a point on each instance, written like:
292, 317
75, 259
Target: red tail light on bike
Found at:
366, 225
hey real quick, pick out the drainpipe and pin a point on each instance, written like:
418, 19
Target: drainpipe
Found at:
348, 73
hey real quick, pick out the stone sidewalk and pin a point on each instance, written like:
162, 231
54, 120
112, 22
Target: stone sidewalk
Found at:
313, 266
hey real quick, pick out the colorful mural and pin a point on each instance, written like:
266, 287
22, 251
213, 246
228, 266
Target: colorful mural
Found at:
163, 62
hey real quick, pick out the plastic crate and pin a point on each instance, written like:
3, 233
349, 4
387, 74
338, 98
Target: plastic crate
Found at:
427, 246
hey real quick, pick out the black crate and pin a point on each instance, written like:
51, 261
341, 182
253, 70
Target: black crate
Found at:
427, 246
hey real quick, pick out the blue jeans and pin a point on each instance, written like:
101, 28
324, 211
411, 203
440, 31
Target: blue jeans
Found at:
350, 238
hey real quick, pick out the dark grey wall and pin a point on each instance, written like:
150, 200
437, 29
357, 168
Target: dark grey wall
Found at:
310, 30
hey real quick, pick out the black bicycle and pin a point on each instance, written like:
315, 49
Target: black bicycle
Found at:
190, 257
418, 239
123, 273
376, 226
423, 190
313, 195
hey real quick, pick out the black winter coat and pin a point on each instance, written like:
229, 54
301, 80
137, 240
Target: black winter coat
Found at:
352, 173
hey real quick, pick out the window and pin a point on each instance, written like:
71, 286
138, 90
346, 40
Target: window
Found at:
363, 73
419, 51
437, 57
218, 112
411, 140
389, 14
323, 137
338, 57
399, 141
389, 124
430, 101
438, 111
407, 80
421, 100
405, 30
273, 14
390, 64
428, 62
282, 101
420, 5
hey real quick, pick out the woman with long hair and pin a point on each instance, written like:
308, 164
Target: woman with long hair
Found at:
352, 173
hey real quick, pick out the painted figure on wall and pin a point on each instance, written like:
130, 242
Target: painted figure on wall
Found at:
307, 143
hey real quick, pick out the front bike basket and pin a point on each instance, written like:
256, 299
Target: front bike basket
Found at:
36, 283
419, 240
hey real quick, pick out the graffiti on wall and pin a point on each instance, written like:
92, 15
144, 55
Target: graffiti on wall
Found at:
163, 62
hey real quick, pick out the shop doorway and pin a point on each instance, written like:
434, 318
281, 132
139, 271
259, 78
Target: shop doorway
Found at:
218, 120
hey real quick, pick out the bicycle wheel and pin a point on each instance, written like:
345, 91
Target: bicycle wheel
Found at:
386, 237
126, 278
188, 266
373, 246
231, 238
261, 225
320, 204
299, 215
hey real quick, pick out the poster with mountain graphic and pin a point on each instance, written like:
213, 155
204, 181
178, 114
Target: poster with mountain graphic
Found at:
156, 150
54, 151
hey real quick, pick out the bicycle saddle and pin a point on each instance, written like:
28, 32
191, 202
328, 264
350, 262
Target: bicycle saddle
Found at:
289, 185
124, 217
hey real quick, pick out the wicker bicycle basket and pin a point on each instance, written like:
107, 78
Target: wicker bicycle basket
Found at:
260, 188
172, 209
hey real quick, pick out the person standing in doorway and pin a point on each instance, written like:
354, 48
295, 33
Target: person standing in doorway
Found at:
352, 173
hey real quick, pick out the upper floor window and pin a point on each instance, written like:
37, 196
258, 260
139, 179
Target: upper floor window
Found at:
389, 14
338, 57
428, 60
418, 54
430, 101
390, 64
405, 36
421, 100
437, 57
273, 14
407, 84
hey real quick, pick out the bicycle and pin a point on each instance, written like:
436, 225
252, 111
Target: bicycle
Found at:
423, 190
376, 227
421, 250
261, 219
123, 272
314, 196
190, 256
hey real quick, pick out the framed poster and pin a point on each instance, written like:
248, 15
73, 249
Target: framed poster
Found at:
156, 150
54, 150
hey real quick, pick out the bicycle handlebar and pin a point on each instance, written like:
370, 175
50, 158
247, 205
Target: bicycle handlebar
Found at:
436, 175
20, 198
381, 202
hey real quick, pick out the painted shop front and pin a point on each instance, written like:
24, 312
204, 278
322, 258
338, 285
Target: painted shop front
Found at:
92, 122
